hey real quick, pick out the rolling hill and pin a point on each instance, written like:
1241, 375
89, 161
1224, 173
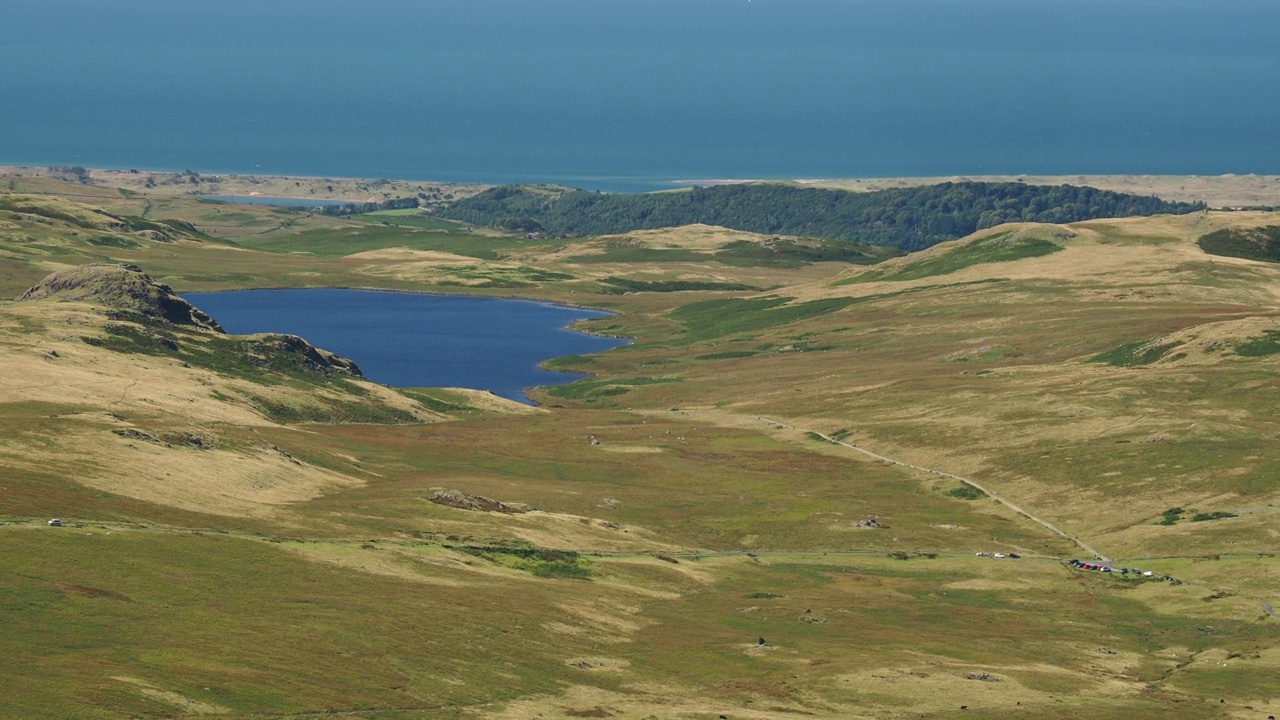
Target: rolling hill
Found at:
910, 218
770, 504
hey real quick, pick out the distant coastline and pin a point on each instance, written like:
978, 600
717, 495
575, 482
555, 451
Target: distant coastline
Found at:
1218, 191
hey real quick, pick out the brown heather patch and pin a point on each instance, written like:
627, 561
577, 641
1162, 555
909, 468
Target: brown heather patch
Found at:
641, 449
687, 574
91, 592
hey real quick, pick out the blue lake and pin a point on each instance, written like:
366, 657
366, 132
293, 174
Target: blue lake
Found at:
411, 340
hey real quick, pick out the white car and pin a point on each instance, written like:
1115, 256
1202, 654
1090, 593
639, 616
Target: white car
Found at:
55, 523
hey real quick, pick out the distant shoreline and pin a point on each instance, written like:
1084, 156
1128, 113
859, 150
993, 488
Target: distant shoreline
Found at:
1217, 191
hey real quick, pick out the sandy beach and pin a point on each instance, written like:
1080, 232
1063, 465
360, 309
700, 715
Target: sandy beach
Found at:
157, 183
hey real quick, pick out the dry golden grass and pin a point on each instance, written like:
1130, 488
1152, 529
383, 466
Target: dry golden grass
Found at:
429, 566
46, 361
85, 216
1137, 257
989, 380
486, 402
687, 237
101, 393
222, 482
632, 702
410, 257
177, 701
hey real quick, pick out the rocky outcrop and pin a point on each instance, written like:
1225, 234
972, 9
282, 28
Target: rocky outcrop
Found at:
124, 288
132, 296
269, 350
463, 501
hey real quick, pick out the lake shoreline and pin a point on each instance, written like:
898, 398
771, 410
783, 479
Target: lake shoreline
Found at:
505, 353
402, 291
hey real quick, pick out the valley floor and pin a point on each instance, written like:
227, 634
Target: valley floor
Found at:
779, 501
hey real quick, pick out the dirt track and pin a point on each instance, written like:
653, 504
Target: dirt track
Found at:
1044, 523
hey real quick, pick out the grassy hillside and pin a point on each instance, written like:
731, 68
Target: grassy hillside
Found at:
910, 218
767, 506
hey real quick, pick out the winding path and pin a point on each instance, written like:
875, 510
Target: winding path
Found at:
1039, 521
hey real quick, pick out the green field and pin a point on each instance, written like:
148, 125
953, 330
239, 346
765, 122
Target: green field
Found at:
784, 498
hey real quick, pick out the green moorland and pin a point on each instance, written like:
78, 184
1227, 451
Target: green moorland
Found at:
768, 505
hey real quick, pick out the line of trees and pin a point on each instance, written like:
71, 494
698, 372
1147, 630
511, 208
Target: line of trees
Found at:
904, 218
358, 208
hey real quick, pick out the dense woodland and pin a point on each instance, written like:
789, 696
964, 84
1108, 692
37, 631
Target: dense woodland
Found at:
1252, 244
907, 218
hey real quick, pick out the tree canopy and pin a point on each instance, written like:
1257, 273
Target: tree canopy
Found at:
904, 218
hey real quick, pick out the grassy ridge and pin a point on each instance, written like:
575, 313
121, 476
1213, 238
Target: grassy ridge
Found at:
363, 238
998, 248
717, 318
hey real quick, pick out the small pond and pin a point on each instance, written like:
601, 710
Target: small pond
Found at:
412, 340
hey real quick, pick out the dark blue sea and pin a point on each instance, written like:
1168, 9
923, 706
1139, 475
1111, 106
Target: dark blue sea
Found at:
409, 340
636, 94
